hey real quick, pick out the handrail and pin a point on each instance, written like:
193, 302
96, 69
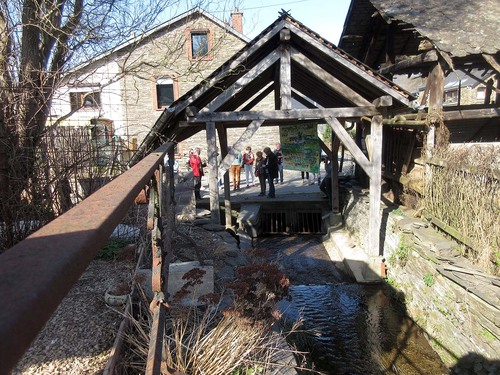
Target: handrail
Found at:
37, 273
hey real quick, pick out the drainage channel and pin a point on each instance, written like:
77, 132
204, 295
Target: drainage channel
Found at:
287, 221
347, 328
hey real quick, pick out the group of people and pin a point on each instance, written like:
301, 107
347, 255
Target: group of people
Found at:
266, 165
268, 168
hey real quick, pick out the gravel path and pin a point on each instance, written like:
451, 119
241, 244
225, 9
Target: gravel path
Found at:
79, 336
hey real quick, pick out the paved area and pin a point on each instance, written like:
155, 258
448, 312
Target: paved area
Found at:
293, 188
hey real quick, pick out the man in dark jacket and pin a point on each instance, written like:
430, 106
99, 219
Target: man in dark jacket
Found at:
271, 170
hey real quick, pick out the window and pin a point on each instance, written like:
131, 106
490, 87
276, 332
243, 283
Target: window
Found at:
480, 94
451, 96
85, 100
199, 44
164, 92
102, 132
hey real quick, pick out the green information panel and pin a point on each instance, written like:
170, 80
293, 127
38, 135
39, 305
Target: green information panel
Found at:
300, 146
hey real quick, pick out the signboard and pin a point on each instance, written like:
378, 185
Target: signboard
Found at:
300, 146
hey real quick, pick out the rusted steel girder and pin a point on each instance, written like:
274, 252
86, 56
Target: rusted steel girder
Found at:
37, 273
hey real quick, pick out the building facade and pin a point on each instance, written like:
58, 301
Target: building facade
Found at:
119, 95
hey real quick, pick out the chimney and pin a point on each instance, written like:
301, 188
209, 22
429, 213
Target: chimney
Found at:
237, 20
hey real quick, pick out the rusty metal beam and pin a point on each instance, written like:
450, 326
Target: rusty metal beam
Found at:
37, 273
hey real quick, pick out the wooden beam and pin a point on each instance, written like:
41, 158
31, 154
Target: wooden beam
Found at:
239, 145
350, 65
212, 171
383, 101
292, 114
236, 64
329, 80
471, 114
259, 98
375, 187
285, 71
335, 175
411, 62
349, 143
302, 99
436, 89
222, 131
325, 148
236, 87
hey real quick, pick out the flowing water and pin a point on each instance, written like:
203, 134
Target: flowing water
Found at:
349, 328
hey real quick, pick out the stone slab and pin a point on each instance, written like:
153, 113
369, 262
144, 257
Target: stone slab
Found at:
249, 218
176, 282
363, 268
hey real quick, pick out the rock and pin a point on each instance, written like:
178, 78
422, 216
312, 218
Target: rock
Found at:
201, 221
212, 227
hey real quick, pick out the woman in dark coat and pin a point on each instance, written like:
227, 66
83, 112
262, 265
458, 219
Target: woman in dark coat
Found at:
260, 172
271, 162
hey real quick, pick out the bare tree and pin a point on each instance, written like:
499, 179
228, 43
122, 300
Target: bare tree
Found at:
39, 41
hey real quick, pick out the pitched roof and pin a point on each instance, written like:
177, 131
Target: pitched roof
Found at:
459, 27
322, 76
132, 42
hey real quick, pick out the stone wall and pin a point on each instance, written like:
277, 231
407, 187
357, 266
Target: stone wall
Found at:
454, 302
164, 54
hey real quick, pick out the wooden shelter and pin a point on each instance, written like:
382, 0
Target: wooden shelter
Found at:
423, 46
290, 61
432, 40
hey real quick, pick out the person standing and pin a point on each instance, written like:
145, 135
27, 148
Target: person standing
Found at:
279, 155
306, 175
271, 170
248, 159
197, 166
326, 183
236, 171
260, 172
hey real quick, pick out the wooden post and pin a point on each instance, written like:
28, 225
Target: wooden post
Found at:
285, 71
213, 171
375, 186
335, 174
168, 200
435, 82
222, 131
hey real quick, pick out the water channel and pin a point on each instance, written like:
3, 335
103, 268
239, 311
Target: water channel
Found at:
349, 328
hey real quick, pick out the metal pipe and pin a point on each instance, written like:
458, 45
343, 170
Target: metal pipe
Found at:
37, 273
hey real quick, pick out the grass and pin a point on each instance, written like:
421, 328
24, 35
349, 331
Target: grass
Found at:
112, 248
207, 340
487, 334
401, 254
398, 212
428, 279
203, 342
463, 194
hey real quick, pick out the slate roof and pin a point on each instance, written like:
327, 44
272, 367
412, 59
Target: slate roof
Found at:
459, 27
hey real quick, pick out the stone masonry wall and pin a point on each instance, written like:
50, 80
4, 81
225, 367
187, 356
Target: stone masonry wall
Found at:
165, 55
456, 319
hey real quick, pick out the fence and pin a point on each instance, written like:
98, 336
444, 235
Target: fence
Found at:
465, 203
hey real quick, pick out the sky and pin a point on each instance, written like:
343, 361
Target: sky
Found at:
325, 17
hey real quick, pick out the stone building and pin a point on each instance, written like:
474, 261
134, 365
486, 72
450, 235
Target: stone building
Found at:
119, 95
